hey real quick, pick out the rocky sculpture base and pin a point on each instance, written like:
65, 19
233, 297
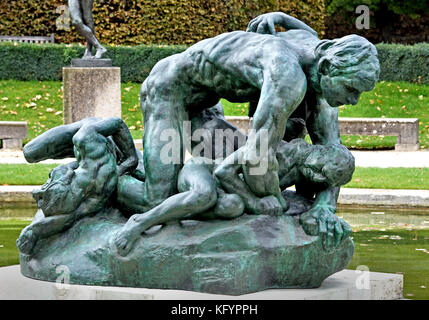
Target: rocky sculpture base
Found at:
235, 257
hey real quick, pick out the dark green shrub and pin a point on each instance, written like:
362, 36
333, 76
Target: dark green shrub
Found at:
404, 63
45, 62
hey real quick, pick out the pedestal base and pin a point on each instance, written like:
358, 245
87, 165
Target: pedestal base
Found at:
340, 286
91, 92
91, 63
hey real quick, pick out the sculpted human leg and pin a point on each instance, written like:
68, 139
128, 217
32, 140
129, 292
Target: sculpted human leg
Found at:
164, 111
277, 102
89, 21
197, 193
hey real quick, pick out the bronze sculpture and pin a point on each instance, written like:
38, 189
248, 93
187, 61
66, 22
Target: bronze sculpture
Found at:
208, 224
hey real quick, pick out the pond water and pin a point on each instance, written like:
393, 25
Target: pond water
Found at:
386, 240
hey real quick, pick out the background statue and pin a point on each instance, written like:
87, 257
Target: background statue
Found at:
81, 16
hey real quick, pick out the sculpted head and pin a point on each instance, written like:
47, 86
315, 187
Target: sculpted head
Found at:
332, 165
56, 197
347, 67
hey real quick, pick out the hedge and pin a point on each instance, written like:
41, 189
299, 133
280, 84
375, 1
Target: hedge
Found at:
44, 62
404, 63
132, 22
23, 61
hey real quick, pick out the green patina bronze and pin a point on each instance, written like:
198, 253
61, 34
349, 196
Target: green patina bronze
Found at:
222, 222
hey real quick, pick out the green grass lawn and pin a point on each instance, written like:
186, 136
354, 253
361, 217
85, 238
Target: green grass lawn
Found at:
390, 178
372, 178
25, 174
40, 103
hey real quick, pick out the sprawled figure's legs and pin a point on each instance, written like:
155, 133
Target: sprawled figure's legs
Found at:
197, 194
56, 143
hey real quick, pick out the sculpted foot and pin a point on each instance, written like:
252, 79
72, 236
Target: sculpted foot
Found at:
130, 233
126, 240
87, 55
100, 52
269, 205
26, 241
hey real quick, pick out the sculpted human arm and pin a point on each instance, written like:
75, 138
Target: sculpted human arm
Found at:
322, 123
266, 23
280, 95
323, 128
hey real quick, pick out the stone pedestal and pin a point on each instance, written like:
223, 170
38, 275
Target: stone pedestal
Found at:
344, 285
91, 92
12, 144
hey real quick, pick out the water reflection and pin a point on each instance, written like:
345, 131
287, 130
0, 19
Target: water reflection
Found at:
17, 210
379, 218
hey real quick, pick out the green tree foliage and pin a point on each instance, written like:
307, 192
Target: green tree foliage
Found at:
134, 22
409, 7
386, 15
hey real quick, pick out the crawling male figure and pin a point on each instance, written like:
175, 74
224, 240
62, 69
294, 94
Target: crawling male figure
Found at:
273, 73
83, 187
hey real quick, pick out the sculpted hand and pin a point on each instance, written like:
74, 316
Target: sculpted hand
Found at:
322, 221
264, 24
127, 166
